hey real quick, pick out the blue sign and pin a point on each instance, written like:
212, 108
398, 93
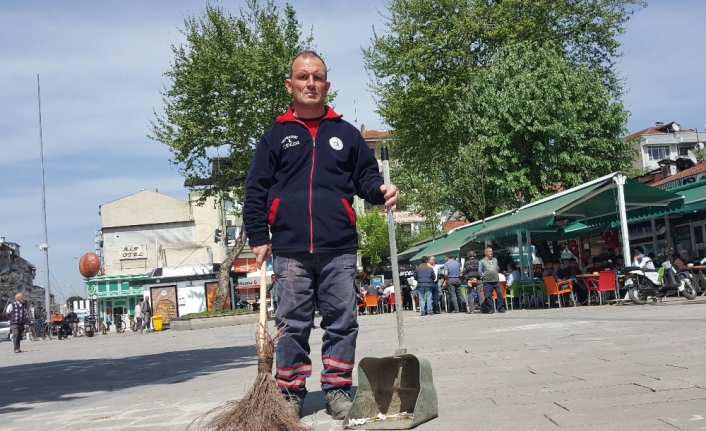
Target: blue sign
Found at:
377, 280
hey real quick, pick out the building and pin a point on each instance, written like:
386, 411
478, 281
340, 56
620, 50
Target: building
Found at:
148, 230
665, 142
17, 275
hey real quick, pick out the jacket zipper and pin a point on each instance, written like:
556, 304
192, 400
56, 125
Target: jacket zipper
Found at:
311, 198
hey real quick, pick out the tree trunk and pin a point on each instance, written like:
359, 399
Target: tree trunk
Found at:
224, 271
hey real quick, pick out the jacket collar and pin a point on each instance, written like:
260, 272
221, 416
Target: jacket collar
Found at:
288, 117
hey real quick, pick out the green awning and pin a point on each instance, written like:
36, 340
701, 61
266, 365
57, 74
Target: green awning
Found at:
417, 247
592, 203
458, 241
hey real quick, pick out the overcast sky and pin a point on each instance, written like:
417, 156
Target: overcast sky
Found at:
101, 67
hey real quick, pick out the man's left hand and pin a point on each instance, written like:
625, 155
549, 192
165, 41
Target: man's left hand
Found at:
390, 196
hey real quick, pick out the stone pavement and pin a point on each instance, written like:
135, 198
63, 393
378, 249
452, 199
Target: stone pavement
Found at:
590, 368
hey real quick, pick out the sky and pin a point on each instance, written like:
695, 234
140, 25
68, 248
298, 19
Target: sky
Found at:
101, 67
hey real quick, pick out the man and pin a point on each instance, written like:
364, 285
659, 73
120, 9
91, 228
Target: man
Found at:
488, 271
426, 280
138, 316
640, 260
470, 275
434, 290
513, 275
146, 309
570, 273
17, 311
452, 271
272, 288
72, 320
305, 171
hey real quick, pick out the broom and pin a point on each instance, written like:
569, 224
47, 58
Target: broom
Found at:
263, 408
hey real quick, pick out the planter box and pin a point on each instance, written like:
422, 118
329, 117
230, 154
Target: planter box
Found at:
205, 322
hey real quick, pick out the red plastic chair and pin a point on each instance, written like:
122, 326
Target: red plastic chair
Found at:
390, 302
605, 283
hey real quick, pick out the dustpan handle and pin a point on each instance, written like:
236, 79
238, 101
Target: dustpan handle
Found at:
401, 350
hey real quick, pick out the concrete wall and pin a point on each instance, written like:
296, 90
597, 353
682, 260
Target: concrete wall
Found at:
143, 208
182, 230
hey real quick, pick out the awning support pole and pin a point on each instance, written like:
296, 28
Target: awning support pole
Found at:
620, 180
522, 257
529, 254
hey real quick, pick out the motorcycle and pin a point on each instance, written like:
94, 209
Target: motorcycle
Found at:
645, 284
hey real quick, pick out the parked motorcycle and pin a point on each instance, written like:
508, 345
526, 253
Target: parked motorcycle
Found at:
645, 284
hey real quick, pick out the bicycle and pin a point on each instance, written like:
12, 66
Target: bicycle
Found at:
89, 326
119, 324
134, 324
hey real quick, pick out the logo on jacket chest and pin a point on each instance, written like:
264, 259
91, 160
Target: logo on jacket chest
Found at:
290, 141
336, 143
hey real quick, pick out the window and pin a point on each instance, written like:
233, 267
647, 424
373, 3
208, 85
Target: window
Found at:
684, 151
657, 153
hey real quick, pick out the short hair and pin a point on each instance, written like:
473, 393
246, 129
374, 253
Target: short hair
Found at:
471, 254
556, 262
597, 259
512, 266
573, 260
640, 249
448, 255
684, 252
488, 248
425, 259
18, 294
308, 54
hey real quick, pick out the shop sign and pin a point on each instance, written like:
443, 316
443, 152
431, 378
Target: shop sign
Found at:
128, 252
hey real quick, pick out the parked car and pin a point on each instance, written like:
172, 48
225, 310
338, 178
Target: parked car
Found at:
4, 331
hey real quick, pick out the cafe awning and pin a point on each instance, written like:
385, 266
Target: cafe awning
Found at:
458, 240
417, 247
594, 201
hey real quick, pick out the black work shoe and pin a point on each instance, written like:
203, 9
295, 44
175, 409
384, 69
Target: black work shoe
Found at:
295, 401
501, 310
338, 402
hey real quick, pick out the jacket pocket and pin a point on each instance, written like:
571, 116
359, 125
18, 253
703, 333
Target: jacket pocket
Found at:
273, 212
349, 210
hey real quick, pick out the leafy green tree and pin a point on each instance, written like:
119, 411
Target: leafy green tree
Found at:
227, 87
427, 60
534, 121
373, 238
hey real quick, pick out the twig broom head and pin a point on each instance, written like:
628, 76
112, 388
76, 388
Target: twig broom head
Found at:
263, 408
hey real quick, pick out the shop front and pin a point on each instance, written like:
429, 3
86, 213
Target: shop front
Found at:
118, 294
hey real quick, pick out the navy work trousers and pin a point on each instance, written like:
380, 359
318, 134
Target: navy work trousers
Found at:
327, 280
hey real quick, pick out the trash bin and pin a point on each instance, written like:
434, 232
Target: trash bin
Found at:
157, 323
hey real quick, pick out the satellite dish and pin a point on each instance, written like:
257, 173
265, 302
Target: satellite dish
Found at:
692, 157
700, 145
675, 127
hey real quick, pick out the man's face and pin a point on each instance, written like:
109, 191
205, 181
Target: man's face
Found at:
685, 255
489, 253
573, 264
21, 298
432, 261
555, 266
308, 85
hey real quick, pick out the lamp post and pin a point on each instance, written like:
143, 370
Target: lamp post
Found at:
45, 246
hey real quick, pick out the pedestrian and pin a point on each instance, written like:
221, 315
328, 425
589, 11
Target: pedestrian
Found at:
435, 290
470, 276
146, 309
17, 311
272, 288
72, 320
452, 271
304, 174
488, 270
426, 280
138, 316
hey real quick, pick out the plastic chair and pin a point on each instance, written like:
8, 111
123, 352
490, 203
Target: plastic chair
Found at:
390, 302
371, 301
557, 288
512, 292
605, 283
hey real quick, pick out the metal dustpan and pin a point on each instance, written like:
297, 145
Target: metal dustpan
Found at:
395, 392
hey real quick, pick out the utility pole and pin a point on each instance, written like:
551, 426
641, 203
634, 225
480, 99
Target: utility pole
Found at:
44, 247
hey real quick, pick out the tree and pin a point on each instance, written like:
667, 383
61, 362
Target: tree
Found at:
373, 239
226, 89
536, 122
428, 58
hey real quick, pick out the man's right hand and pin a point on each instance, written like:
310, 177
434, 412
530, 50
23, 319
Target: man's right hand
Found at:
262, 253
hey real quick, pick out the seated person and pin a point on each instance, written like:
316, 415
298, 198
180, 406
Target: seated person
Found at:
619, 264
570, 273
679, 262
598, 265
360, 299
372, 290
388, 290
513, 274
549, 270
640, 260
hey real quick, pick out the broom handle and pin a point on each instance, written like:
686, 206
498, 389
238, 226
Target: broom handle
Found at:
401, 349
263, 305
